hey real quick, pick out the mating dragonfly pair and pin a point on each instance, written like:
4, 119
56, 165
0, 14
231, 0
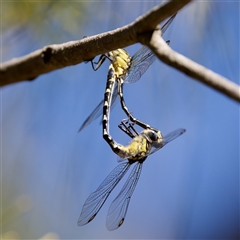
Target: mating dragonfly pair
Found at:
123, 69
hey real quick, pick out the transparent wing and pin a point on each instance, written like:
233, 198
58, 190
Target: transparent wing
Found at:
168, 138
118, 209
172, 135
97, 112
143, 58
167, 24
96, 200
139, 65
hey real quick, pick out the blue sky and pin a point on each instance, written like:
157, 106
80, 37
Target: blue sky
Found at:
187, 190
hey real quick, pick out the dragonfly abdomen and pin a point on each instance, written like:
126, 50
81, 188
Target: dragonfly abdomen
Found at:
120, 61
111, 81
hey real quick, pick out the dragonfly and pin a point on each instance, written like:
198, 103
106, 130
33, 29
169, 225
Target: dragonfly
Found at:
143, 144
129, 70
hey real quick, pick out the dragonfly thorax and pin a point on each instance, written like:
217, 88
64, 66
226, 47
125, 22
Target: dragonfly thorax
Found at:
120, 60
140, 147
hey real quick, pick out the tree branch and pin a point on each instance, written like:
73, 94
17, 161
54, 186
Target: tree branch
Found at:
156, 43
57, 56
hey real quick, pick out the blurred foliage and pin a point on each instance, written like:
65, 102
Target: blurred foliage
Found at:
15, 210
15, 235
50, 235
41, 17
22, 204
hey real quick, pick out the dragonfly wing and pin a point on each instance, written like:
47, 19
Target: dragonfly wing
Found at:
94, 115
136, 71
167, 23
143, 58
172, 135
96, 200
168, 138
118, 209
97, 112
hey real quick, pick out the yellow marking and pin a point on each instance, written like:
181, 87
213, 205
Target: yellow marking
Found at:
105, 132
120, 80
111, 79
124, 54
121, 62
91, 218
121, 222
122, 51
105, 103
104, 117
114, 146
119, 71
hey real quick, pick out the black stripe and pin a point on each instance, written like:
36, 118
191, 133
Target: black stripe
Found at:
106, 109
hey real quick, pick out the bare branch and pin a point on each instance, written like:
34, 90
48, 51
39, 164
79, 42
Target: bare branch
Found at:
189, 67
57, 56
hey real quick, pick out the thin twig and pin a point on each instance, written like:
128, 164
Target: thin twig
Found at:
189, 67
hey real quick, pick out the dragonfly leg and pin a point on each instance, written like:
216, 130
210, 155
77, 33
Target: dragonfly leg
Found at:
128, 128
100, 61
128, 113
131, 127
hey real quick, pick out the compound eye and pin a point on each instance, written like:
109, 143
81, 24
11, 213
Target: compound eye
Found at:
153, 136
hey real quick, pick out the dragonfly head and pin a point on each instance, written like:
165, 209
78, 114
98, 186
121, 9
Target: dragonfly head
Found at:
155, 138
